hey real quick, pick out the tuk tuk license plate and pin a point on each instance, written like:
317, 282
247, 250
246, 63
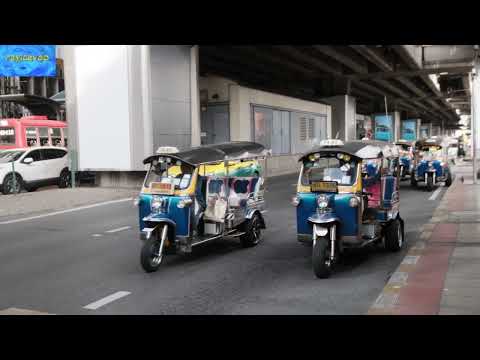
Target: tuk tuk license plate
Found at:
324, 186
162, 188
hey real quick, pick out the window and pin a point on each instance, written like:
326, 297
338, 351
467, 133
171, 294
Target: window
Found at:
31, 134
56, 136
329, 168
43, 132
36, 155
51, 154
7, 156
307, 130
7, 136
272, 129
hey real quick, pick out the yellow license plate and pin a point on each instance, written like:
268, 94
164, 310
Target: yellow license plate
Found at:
324, 186
162, 188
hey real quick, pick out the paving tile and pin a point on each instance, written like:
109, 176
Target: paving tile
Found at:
453, 283
419, 296
415, 310
461, 301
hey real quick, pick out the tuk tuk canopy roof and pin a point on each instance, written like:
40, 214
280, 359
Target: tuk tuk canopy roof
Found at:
429, 142
237, 150
361, 149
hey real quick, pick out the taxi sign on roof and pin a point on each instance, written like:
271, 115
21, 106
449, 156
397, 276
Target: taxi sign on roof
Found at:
167, 150
331, 142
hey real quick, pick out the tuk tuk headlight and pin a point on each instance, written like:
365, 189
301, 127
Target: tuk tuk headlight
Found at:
353, 202
156, 204
184, 202
136, 201
322, 201
295, 201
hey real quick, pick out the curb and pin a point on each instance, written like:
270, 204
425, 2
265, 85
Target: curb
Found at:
388, 299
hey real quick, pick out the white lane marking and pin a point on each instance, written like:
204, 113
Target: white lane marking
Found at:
65, 211
435, 194
106, 300
119, 229
97, 235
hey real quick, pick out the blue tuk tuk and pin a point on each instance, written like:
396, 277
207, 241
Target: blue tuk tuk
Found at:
405, 149
198, 195
430, 164
348, 197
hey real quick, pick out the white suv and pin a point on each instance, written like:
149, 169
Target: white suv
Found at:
34, 167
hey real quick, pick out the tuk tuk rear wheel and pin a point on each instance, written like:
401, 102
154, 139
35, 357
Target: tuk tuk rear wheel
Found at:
253, 232
430, 182
394, 236
322, 267
449, 179
413, 182
149, 259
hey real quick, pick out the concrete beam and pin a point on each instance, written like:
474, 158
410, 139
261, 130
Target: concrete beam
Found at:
345, 60
262, 56
411, 73
313, 61
373, 57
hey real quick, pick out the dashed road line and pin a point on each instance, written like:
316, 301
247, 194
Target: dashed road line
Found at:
118, 230
97, 235
106, 300
435, 194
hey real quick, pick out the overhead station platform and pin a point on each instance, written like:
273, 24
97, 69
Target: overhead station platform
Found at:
420, 81
140, 97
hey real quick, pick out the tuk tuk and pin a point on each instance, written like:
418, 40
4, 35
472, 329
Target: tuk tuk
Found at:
348, 197
430, 164
198, 195
405, 149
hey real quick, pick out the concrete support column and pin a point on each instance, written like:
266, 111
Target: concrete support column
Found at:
344, 116
146, 87
475, 111
44, 86
195, 97
31, 86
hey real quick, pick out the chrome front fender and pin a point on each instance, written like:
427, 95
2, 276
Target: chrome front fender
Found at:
323, 218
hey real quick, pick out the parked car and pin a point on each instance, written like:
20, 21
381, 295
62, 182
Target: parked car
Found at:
33, 168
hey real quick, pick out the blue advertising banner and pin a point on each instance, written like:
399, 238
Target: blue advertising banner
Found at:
409, 130
424, 131
383, 127
28, 60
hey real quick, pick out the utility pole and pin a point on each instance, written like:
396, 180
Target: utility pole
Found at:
473, 112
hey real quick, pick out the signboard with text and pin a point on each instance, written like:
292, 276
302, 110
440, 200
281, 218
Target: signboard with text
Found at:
28, 60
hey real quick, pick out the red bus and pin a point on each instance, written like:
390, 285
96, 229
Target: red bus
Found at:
32, 131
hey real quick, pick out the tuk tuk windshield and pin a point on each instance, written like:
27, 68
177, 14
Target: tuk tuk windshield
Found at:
430, 153
330, 167
177, 173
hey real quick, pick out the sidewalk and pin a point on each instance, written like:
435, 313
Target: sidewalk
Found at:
440, 275
55, 199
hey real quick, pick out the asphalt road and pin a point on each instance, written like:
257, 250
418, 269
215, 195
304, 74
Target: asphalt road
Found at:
63, 263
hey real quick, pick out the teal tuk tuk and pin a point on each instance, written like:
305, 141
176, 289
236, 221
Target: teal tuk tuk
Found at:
348, 197
198, 195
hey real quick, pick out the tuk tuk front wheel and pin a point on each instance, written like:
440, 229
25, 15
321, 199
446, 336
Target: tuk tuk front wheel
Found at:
322, 266
394, 236
152, 253
430, 182
253, 232
413, 182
